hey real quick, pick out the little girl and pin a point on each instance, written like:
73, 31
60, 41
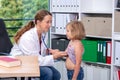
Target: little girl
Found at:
75, 32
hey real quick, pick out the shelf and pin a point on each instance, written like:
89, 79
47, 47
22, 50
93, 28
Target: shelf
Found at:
97, 17
117, 8
117, 65
97, 12
65, 12
116, 36
57, 33
98, 63
102, 37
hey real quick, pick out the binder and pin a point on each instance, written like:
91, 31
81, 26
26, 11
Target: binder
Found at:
64, 9
74, 6
115, 76
71, 17
104, 51
96, 73
84, 66
68, 5
101, 54
109, 52
104, 73
57, 3
118, 3
59, 24
53, 23
89, 72
117, 52
78, 3
101, 51
90, 50
53, 4
98, 51
64, 23
60, 3
118, 73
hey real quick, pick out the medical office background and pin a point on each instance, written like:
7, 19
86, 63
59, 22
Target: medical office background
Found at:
101, 18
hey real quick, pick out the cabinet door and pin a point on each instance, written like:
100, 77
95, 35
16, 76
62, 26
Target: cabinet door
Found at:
117, 21
98, 26
58, 44
103, 26
89, 25
60, 66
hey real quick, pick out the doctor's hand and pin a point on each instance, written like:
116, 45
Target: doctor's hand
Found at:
52, 51
59, 54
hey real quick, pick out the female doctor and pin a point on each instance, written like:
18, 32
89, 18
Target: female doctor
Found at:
32, 40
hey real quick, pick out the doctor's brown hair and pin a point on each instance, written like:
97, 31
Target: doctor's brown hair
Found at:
39, 16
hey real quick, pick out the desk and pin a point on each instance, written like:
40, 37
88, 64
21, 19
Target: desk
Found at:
29, 68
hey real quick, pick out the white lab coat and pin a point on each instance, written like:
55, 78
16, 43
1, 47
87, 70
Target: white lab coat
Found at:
29, 45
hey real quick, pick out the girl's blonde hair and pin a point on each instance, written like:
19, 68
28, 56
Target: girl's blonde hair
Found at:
77, 29
39, 16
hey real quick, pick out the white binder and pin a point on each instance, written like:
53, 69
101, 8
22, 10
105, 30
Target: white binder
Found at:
78, 5
96, 73
104, 74
53, 5
59, 24
117, 53
89, 73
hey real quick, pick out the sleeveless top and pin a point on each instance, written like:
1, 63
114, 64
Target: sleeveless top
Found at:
71, 53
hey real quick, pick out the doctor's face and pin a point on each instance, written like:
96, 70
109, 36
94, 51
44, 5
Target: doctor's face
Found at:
46, 23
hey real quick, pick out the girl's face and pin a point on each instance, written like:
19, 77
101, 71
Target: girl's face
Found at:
45, 24
68, 33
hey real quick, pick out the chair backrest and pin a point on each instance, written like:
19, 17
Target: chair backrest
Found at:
5, 43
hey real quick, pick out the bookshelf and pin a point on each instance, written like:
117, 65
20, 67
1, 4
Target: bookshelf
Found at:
97, 17
115, 67
63, 11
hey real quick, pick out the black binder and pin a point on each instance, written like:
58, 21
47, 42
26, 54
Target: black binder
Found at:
118, 4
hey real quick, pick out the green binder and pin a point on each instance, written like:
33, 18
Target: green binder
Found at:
104, 51
101, 53
90, 50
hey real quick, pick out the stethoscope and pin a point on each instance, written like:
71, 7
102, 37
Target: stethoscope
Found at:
43, 40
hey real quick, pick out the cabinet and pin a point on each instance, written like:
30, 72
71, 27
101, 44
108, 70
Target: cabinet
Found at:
97, 20
97, 17
115, 68
63, 11
60, 66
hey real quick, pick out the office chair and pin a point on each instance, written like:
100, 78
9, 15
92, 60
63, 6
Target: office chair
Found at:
5, 43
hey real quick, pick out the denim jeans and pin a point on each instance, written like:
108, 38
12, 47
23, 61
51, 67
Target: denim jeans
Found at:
49, 73
79, 77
